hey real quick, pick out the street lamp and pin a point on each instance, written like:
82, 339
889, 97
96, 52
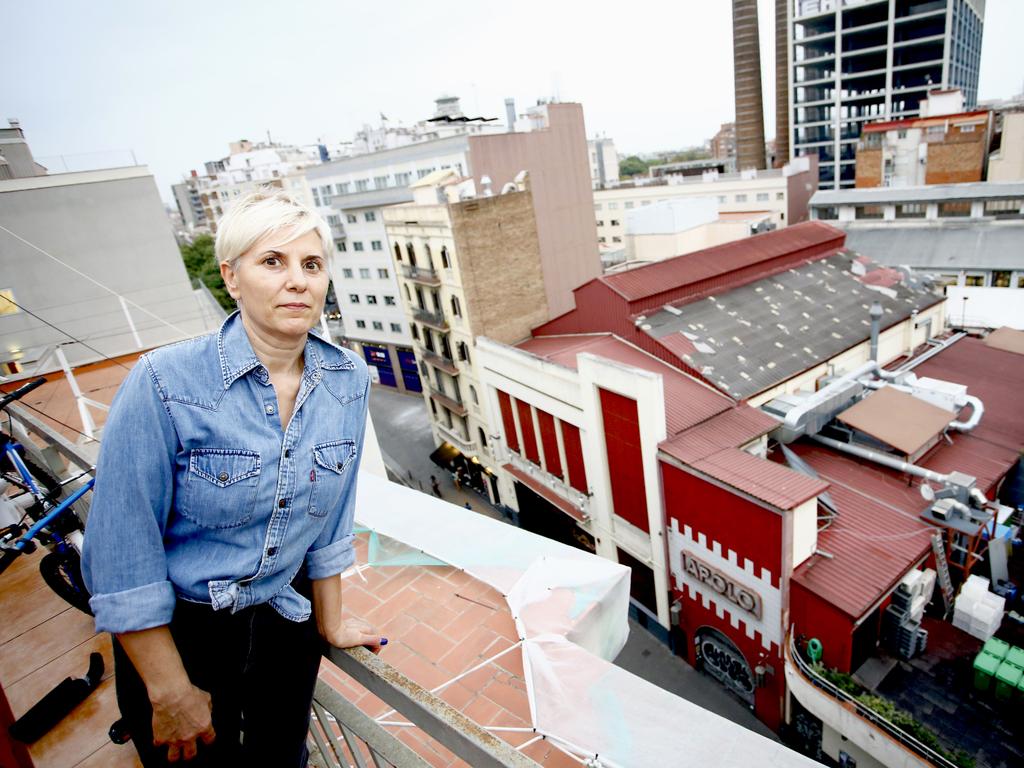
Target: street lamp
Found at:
963, 313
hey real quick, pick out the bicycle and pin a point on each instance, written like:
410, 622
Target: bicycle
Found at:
34, 512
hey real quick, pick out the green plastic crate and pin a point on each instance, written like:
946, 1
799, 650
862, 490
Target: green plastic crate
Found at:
996, 647
1015, 656
1007, 678
985, 666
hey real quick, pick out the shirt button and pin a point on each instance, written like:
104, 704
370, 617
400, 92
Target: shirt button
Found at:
282, 502
223, 477
271, 551
287, 453
270, 410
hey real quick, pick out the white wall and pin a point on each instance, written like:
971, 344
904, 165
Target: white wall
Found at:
985, 307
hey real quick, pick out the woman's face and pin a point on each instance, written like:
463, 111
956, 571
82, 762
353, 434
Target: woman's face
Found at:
280, 289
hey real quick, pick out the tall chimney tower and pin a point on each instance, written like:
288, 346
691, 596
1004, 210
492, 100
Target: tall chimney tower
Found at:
782, 81
750, 151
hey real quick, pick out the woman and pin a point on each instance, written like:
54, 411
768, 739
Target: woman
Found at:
222, 512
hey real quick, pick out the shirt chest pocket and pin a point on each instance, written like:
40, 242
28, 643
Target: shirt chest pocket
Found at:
329, 476
220, 488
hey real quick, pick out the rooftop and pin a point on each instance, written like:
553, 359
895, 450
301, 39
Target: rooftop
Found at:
898, 419
749, 338
940, 245
930, 193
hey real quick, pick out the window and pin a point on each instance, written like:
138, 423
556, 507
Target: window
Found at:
1020, 281
364, 273
382, 273
910, 211
463, 351
316, 198
375, 245
600, 223
614, 222
423, 172
741, 198
354, 298
396, 327
341, 189
967, 128
456, 308
780, 195
370, 215
613, 206
901, 133
403, 179
975, 281
1000, 279
371, 299
868, 212
334, 220
389, 301
340, 245
415, 331
597, 206
357, 245
645, 202
378, 325
398, 252
629, 204
482, 437
408, 296
957, 208
360, 323
351, 218
472, 393
325, 194
602, 239
346, 272
616, 239
762, 197
445, 262
380, 182
721, 198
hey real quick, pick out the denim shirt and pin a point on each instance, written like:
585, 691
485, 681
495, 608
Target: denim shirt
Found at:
201, 495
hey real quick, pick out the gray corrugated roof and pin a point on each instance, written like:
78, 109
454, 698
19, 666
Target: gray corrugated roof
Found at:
754, 337
931, 193
941, 246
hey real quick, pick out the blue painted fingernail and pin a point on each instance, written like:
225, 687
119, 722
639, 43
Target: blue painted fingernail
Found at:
383, 641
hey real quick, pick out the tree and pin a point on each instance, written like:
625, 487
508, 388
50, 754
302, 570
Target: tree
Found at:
632, 166
201, 264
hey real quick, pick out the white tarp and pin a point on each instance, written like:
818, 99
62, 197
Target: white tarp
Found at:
571, 608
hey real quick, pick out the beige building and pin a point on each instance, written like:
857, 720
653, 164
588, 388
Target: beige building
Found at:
1007, 162
781, 195
467, 266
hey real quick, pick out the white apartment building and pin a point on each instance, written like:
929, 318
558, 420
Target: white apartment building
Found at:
604, 161
780, 194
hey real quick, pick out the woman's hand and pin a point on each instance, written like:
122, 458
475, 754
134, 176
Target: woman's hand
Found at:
352, 633
180, 720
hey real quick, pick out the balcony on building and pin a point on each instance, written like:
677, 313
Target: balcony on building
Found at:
454, 405
434, 320
421, 275
439, 361
338, 231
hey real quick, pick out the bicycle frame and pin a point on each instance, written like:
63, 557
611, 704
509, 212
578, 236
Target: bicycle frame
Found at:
10, 451
21, 542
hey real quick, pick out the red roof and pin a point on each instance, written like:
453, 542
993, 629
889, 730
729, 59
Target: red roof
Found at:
687, 401
730, 429
912, 122
997, 377
874, 540
720, 260
772, 483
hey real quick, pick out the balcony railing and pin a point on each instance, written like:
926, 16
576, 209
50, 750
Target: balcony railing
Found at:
459, 437
446, 364
423, 275
360, 740
796, 665
433, 319
338, 231
453, 405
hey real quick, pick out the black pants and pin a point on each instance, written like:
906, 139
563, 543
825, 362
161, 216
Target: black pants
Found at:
260, 670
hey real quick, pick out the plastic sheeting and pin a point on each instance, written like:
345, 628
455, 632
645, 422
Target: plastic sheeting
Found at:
571, 610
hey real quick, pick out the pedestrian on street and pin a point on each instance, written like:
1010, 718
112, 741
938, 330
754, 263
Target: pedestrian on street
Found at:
466, 505
435, 487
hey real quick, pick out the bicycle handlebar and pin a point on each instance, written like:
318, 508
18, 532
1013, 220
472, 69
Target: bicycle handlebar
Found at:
21, 392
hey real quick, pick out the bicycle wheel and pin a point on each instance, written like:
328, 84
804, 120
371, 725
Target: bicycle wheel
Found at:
62, 572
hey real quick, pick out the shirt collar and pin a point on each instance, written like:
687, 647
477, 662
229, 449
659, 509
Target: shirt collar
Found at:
237, 357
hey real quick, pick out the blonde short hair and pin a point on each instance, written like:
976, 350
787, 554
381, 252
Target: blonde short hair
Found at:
266, 212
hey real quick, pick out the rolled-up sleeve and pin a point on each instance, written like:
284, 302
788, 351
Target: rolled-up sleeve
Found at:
123, 559
332, 552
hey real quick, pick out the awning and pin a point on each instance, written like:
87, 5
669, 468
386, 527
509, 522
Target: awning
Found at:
545, 493
444, 455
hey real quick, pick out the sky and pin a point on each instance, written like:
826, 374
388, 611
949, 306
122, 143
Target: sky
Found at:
172, 83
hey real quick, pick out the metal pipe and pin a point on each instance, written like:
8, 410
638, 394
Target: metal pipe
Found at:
883, 459
876, 323
977, 411
796, 414
911, 364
